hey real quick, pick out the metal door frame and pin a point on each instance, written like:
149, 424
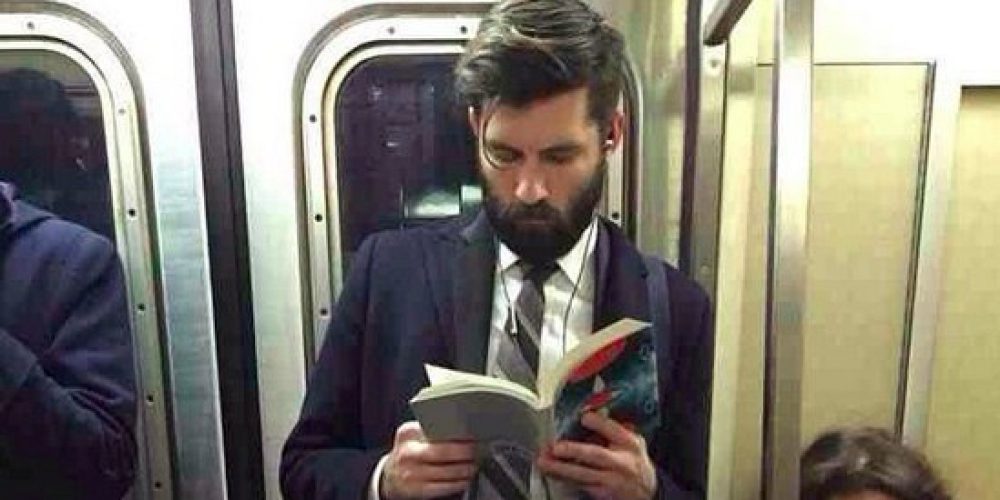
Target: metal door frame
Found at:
951, 79
225, 205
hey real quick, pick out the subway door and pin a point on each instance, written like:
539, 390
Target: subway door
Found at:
98, 114
370, 140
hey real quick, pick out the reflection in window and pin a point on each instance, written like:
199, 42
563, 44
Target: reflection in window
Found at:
405, 155
52, 144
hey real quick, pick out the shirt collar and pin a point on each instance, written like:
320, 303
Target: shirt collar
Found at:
570, 263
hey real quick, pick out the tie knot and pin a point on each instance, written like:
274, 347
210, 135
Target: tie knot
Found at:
538, 274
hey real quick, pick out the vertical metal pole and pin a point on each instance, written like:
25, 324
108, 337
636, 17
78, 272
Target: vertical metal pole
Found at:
791, 133
699, 255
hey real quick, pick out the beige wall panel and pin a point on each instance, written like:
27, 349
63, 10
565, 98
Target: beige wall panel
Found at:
866, 154
866, 157
881, 30
963, 424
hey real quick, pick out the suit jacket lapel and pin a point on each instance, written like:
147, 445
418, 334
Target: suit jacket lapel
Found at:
620, 290
472, 301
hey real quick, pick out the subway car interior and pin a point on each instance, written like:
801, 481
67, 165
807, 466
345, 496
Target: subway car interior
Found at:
823, 168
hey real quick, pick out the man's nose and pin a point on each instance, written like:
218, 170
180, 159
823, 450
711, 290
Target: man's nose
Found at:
531, 185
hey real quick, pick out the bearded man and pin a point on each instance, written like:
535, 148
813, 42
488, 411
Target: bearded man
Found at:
541, 82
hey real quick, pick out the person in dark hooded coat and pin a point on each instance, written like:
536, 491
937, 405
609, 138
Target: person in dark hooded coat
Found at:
67, 378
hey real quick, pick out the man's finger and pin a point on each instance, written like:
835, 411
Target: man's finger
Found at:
446, 473
442, 488
444, 452
581, 475
615, 433
594, 456
409, 431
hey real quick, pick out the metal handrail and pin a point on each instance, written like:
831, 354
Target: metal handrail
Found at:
791, 155
724, 17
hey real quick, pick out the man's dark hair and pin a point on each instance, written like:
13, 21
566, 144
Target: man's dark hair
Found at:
531, 49
851, 461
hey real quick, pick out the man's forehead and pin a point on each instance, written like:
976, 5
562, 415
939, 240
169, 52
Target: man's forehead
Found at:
566, 144
554, 121
550, 138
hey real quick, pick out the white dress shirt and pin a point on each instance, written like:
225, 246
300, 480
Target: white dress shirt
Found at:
574, 280
569, 293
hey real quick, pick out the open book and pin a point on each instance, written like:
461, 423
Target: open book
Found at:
611, 371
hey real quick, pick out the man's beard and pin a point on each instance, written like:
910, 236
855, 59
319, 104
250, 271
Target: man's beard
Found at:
540, 233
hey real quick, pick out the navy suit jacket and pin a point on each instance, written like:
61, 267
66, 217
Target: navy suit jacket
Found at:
424, 296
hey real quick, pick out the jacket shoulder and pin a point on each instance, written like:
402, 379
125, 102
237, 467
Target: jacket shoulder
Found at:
398, 242
684, 288
393, 254
75, 247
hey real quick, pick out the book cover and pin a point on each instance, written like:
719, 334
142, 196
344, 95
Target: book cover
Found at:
618, 381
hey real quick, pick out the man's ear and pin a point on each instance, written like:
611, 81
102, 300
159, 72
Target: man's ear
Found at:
473, 117
616, 131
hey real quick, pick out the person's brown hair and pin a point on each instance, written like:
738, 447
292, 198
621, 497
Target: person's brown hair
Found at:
531, 49
851, 461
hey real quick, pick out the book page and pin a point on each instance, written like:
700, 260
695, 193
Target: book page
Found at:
438, 375
454, 380
491, 418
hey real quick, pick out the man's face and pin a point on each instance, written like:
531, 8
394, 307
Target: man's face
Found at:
547, 172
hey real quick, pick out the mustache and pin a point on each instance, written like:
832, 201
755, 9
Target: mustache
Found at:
540, 210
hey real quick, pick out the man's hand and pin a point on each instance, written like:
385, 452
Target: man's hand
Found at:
416, 468
621, 470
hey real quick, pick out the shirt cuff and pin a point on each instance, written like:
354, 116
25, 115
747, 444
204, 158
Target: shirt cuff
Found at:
373, 491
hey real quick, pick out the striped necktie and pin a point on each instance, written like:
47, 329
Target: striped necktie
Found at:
508, 475
517, 358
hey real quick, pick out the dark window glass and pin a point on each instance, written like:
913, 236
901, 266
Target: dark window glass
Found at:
52, 144
405, 155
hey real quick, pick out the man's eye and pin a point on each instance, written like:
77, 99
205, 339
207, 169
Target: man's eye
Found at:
559, 159
502, 156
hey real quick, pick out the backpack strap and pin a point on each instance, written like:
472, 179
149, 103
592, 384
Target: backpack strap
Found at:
659, 310
659, 297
